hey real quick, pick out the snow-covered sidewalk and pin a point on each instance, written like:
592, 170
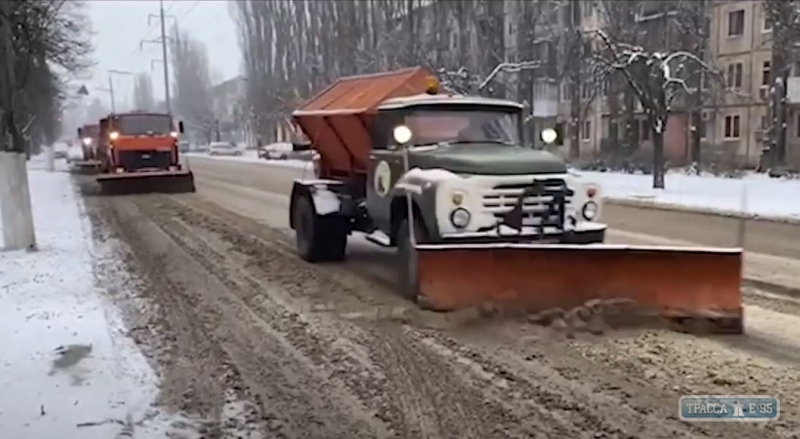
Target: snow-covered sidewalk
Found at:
764, 197
65, 363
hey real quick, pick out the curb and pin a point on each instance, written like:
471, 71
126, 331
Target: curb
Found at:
700, 211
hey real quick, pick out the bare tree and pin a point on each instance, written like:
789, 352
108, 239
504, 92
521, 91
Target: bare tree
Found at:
657, 79
192, 84
143, 92
35, 37
783, 17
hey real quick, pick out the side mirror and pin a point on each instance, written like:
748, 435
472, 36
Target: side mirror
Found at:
180, 126
80, 133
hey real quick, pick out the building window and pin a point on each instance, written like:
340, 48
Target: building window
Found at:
797, 127
765, 73
736, 23
702, 126
645, 131
764, 123
734, 77
586, 130
566, 91
587, 8
586, 90
732, 127
767, 27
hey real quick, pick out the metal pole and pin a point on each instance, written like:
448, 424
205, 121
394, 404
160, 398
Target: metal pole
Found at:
166, 61
740, 237
409, 203
111, 91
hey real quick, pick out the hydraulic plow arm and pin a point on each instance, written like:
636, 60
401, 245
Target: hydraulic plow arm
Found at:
678, 283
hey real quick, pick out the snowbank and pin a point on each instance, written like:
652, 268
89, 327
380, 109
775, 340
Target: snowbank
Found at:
64, 360
250, 156
765, 197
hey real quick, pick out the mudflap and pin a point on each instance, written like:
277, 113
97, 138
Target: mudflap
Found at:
695, 289
168, 182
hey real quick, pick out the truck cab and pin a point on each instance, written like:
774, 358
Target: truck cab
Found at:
140, 141
467, 173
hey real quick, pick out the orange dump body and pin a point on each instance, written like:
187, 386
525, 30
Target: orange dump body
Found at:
336, 120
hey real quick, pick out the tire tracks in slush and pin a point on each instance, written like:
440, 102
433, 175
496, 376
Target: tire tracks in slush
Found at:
556, 407
419, 374
424, 414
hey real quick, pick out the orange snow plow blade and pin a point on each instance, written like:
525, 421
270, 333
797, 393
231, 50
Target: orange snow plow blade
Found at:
127, 183
681, 284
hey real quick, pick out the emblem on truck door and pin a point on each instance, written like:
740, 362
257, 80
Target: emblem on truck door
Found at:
383, 178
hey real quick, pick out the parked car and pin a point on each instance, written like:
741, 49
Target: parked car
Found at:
184, 146
275, 151
223, 148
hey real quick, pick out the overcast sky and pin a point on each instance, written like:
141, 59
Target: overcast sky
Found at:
119, 25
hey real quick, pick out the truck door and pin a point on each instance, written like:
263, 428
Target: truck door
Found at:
385, 168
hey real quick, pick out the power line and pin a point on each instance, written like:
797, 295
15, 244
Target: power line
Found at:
189, 11
147, 34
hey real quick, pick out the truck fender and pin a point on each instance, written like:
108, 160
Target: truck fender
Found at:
423, 197
325, 196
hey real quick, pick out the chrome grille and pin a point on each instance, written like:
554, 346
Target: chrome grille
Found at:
502, 198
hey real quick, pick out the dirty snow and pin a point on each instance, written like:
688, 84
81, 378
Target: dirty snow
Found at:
251, 156
763, 196
66, 370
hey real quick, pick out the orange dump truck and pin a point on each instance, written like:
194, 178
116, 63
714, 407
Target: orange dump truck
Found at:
88, 139
476, 216
138, 152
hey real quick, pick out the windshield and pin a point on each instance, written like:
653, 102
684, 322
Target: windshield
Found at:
464, 126
137, 124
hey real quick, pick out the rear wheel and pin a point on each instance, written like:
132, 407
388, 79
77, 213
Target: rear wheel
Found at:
318, 239
408, 278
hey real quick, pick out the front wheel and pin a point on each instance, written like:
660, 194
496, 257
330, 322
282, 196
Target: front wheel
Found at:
408, 277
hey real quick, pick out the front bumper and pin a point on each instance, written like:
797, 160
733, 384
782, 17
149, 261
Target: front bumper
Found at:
593, 233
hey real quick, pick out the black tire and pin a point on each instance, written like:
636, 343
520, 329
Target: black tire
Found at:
318, 239
407, 268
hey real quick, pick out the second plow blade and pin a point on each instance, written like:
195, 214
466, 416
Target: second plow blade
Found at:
170, 182
686, 285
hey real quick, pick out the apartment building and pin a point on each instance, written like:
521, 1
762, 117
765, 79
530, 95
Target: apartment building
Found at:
736, 126
734, 121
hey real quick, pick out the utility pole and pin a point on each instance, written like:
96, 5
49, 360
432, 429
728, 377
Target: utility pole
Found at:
111, 92
162, 16
164, 54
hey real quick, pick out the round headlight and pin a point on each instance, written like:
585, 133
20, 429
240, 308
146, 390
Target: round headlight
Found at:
460, 218
589, 210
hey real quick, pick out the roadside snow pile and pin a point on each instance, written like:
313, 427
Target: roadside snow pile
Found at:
765, 197
250, 156
64, 361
